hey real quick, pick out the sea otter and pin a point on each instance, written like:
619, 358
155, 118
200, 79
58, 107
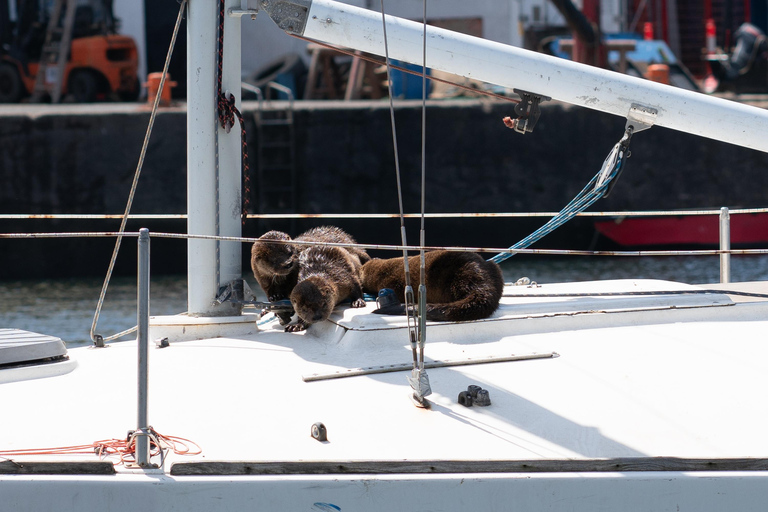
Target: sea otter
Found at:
460, 285
327, 276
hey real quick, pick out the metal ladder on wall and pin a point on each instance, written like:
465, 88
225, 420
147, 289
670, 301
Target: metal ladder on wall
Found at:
53, 60
276, 154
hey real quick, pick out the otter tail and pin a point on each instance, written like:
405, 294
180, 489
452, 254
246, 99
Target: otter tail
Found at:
473, 307
461, 286
470, 308
476, 286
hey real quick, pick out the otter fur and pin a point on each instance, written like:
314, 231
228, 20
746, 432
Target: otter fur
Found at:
276, 265
327, 276
460, 285
335, 235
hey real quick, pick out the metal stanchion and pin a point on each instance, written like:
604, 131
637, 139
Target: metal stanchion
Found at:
725, 245
142, 432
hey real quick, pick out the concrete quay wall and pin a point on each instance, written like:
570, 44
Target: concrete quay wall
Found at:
82, 159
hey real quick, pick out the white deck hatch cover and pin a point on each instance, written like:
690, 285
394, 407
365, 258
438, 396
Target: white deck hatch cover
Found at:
19, 347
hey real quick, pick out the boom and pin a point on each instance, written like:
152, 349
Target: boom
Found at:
508, 66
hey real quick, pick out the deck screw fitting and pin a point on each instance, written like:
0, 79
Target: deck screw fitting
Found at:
483, 398
475, 395
319, 432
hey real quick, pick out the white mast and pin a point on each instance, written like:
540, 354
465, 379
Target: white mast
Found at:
578, 84
213, 194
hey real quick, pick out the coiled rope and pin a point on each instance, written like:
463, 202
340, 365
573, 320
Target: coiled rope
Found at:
598, 187
122, 451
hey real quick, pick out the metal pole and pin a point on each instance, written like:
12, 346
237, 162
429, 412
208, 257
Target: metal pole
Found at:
213, 184
725, 245
142, 321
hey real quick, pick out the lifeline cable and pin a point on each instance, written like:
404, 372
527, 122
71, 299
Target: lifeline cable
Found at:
97, 339
597, 187
385, 247
444, 215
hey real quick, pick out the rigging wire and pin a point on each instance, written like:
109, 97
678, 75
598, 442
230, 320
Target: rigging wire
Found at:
422, 238
97, 339
419, 379
409, 299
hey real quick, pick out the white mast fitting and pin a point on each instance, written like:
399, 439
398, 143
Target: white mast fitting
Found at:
213, 189
578, 84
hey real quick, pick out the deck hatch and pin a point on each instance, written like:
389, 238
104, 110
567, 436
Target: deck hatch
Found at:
19, 347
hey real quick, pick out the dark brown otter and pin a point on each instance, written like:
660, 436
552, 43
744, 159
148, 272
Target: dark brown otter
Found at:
460, 285
334, 235
276, 265
327, 276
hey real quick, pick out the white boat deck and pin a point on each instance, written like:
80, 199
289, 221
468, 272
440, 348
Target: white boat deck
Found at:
648, 385
661, 408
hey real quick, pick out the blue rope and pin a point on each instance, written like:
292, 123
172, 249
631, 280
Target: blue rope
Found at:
597, 187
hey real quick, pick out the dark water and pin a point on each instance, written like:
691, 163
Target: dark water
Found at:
65, 308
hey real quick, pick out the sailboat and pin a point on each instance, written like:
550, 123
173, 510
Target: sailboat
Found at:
609, 395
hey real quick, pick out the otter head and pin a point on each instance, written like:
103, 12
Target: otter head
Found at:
368, 275
313, 299
274, 258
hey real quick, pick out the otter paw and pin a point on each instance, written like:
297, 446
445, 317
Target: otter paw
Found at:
276, 297
295, 328
284, 319
358, 303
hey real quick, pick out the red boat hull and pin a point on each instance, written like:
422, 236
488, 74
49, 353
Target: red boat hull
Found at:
746, 229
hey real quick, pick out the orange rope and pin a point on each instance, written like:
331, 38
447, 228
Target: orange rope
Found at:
125, 449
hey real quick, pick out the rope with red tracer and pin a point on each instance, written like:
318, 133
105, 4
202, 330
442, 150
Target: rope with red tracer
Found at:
125, 449
227, 113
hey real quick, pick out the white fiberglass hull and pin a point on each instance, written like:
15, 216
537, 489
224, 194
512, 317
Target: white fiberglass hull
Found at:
658, 491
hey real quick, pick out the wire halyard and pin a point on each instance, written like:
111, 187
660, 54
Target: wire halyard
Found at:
419, 380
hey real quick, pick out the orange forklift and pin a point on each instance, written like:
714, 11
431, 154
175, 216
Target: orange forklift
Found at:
65, 49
